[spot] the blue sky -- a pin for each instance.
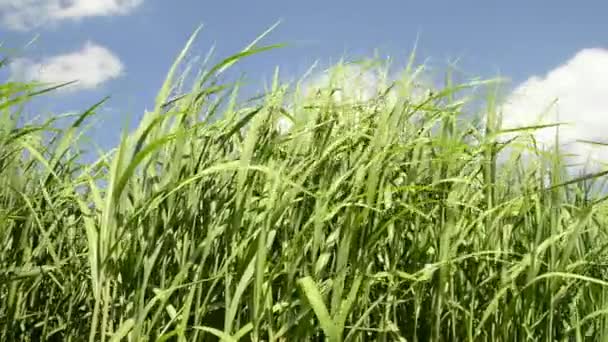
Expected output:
(137, 40)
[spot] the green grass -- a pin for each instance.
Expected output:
(386, 220)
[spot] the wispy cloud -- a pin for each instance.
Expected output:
(91, 66)
(578, 90)
(22, 15)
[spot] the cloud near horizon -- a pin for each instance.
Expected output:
(24, 15)
(357, 83)
(574, 93)
(91, 66)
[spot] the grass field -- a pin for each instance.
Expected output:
(389, 219)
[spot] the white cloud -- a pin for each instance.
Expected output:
(360, 83)
(580, 89)
(28, 14)
(349, 81)
(91, 66)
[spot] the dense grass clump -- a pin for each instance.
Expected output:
(384, 219)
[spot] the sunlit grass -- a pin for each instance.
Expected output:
(384, 219)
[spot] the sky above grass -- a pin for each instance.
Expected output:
(123, 48)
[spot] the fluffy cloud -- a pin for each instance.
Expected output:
(575, 93)
(349, 81)
(91, 66)
(354, 82)
(359, 83)
(28, 14)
